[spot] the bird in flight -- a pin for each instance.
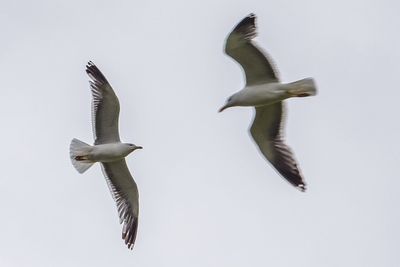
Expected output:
(265, 92)
(110, 152)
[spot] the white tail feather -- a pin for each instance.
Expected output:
(302, 88)
(78, 150)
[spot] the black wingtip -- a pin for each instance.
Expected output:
(130, 234)
(251, 16)
(247, 27)
(90, 67)
(302, 187)
(250, 20)
(94, 73)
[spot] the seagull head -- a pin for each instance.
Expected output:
(133, 147)
(230, 102)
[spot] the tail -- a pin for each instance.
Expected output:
(78, 152)
(303, 88)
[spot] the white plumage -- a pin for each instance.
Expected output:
(266, 93)
(110, 152)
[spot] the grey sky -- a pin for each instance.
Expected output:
(207, 197)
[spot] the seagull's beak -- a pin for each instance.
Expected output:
(139, 147)
(224, 107)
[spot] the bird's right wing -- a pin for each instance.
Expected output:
(105, 107)
(266, 131)
(239, 45)
(125, 193)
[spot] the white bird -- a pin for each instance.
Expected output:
(266, 93)
(110, 152)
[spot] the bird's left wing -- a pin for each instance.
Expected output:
(257, 67)
(266, 131)
(125, 193)
(105, 107)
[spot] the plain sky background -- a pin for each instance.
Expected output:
(207, 197)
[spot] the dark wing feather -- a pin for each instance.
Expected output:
(255, 63)
(105, 107)
(266, 131)
(125, 193)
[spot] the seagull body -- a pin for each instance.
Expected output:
(105, 153)
(110, 152)
(266, 93)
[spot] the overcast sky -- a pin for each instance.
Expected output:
(207, 197)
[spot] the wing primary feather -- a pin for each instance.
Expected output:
(247, 27)
(95, 74)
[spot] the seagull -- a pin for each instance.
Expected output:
(109, 152)
(265, 93)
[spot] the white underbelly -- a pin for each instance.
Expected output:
(261, 95)
(106, 153)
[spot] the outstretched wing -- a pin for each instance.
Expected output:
(125, 193)
(255, 63)
(105, 107)
(267, 133)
